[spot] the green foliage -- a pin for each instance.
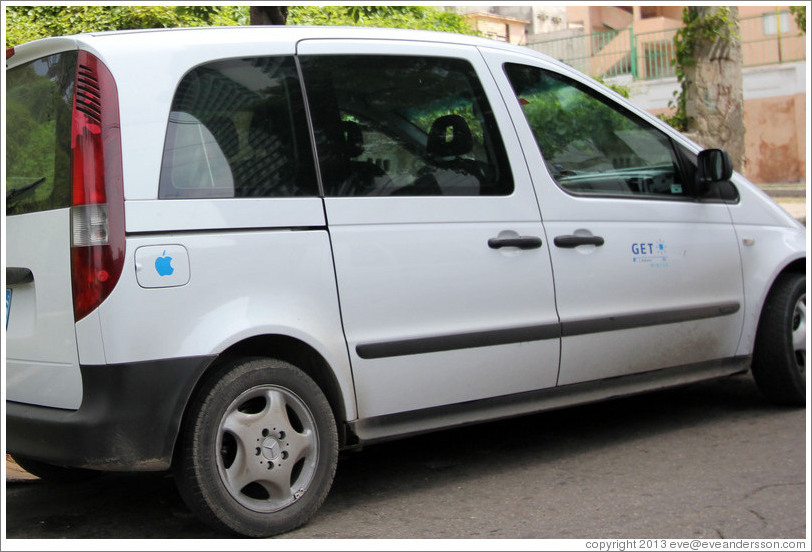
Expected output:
(699, 24)
(621, 89)
(403, 17)
(37, 145)
(799, 13)
(27, 23)
(702, 25)
(566, 120)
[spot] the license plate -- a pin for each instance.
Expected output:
(8, 304)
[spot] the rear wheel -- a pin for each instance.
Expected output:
(779, 357)
(259, 449)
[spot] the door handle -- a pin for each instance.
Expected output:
(568, 242)
(522, 242)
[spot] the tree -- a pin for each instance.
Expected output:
(799, 13)
(26, 23)
(709, 68)
(269, 15)
(403, 17)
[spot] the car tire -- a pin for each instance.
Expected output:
(779, 357)
(259, 449)
(55, 474)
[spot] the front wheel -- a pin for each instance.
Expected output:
(779, 357)
(259, 449)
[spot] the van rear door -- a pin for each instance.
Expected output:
(41, 354)
(442, 266)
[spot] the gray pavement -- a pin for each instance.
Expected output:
(710, 461)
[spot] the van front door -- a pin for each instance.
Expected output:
(647, 270)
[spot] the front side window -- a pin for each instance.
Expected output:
(592, 146)
(39, 96)
(403, 125)
(237, 128)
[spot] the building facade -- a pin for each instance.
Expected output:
(634, 45)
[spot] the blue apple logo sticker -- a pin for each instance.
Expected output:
(163, 265)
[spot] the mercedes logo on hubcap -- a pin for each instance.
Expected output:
(270, 448)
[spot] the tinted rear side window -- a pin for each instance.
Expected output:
(39, 97)
(237, 128)
(404, 125)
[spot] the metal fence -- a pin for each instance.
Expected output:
(766, 39)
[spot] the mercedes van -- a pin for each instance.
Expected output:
(233, 252)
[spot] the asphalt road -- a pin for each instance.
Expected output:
(712, 460)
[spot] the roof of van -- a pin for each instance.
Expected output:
(159, 40)
(296, 32)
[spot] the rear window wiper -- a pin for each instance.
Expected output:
(11, 194)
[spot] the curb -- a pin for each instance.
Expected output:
(784, 192)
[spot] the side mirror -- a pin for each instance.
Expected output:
(713, 165)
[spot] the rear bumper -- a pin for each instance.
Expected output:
(129, 418)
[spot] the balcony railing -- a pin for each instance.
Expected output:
(766, 39)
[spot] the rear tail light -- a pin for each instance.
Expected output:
(97, 206)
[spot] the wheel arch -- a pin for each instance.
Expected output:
(796, 266)
(778, 359)
(761, 272)
(288, 349)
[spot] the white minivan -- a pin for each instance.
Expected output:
(234, 252)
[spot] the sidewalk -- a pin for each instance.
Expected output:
(15, 474)
(789, 195)
(795, 207)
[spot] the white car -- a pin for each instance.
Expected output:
(234, 252)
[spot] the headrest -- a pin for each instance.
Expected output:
(449, 136)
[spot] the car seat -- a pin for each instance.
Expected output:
(449, 139)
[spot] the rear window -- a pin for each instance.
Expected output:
(39, 96)
(237, 128)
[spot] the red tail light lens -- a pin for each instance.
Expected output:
(97, 212)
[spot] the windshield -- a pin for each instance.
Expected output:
(39, 96)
